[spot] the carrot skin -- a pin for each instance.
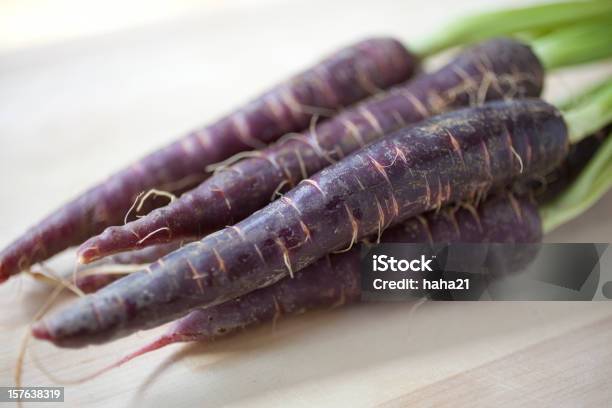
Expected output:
(330, 282)
(93, 283)
(450, 158)
(496, 69)
(144, 255)
(345, 77)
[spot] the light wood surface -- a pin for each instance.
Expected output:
(74, 110)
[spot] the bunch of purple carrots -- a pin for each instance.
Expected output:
(269, 206)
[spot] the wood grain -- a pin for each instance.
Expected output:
(570, 370)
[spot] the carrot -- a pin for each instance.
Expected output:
(91, 281)
(334, 281)
(342, 79)
(145, 255)
(452, 157)
(108, 270)
(494, 70)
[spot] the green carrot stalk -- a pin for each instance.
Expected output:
(589, 187)
(573, 101)
(590, 114)
(504, 22)
(575, 45)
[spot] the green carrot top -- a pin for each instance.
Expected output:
(534, 20)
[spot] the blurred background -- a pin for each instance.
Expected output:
(89, 86)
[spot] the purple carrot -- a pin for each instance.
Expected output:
(345, 77)
(498, 68)
(450, 158)
(144, 255)
(334, 281)
(109, 269)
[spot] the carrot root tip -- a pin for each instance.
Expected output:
(41, 332)
(88, 255)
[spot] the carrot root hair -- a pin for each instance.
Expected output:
(156, 344)
(23, 348)
(154, 193)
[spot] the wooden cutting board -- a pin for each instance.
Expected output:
(72, 112)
